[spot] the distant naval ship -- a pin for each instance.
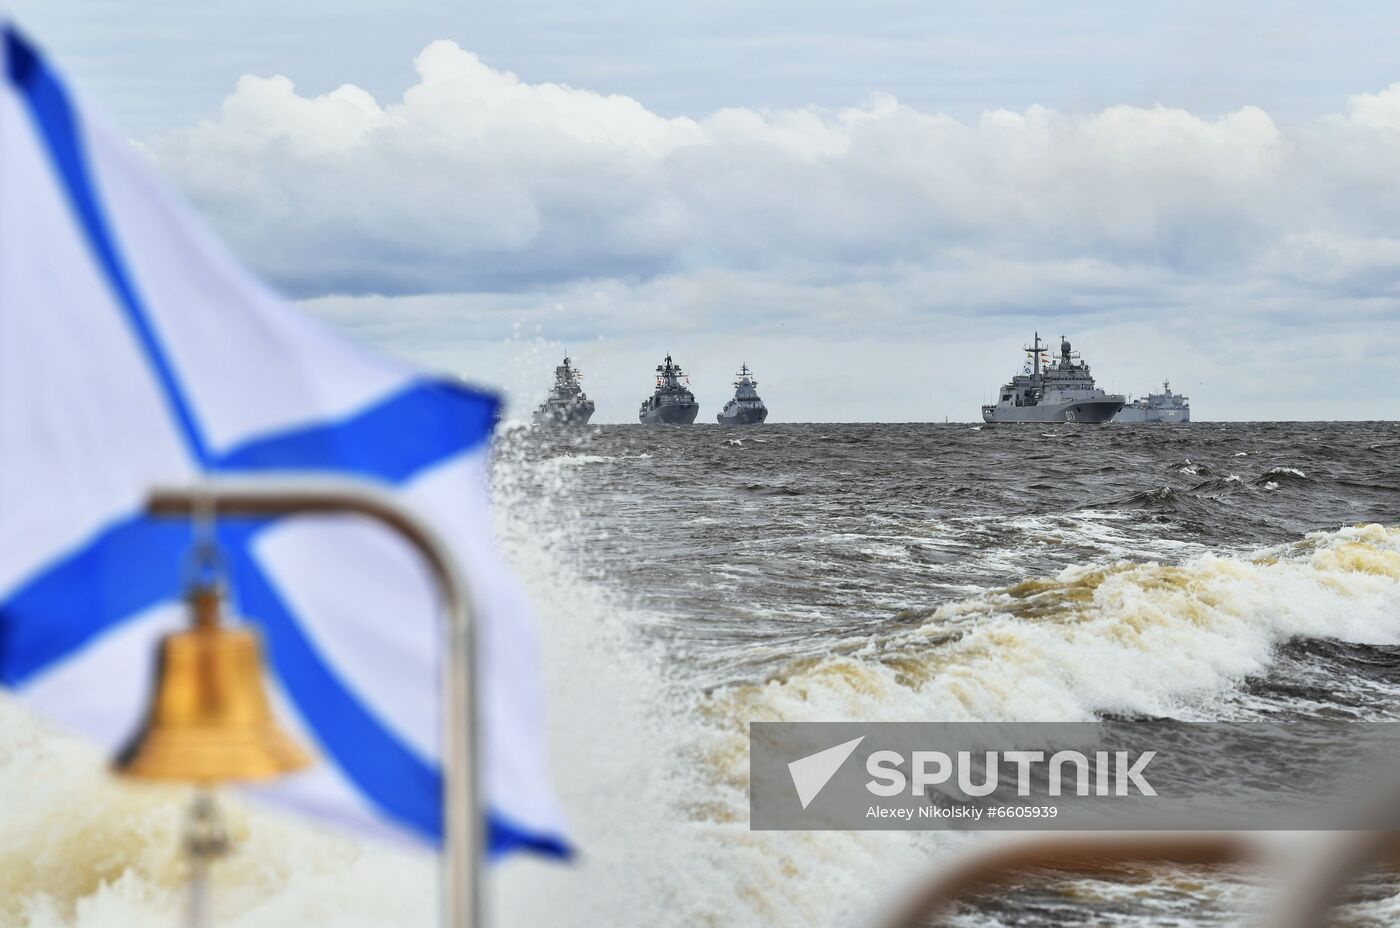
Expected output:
(671, 403)
(1062, 392)
(566, 404)
(1157, 407)
(745, 408)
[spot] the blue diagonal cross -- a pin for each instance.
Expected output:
(129, 566)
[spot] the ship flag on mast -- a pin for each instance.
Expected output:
(135, 351)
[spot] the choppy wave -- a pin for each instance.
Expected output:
(1122, 639)
(1280, 475)
(1148, 639)
(948, 573)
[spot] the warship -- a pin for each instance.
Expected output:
(671, 403)
(1157, 407)
(745, 408)
(1056, 392)
(566, 404)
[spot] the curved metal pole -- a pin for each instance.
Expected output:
(461, 791)
(1080, 854)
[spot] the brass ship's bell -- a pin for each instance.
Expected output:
(209, 720)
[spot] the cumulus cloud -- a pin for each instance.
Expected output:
(476, 179)
(591, 215)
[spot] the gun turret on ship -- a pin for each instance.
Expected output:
(566, 404)
(1157, 407)
(745, 408)
(671, 403)
(1054, 392)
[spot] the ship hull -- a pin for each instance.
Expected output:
(671, 414)
(1134, 416)
(567, 415)
(1089, 411)
(744, 415)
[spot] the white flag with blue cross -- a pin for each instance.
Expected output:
(135, 351)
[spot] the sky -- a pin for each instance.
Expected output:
(873, 205)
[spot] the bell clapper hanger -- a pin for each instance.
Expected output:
(209, 720)
(206, 840)
(206, 837)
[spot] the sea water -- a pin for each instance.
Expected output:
(688, 581)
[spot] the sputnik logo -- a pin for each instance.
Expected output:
(810, 774)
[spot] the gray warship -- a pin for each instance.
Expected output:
(1157, 407)
(671, 403)
(745, 408)
(1058, 392)
(566, 404)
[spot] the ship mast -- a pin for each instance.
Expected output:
(670, 374)
(1035, 376)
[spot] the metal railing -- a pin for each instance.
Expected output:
(1313, 874)
(462, 901)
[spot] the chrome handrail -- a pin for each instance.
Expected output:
(1312, 876)
(461, 792)
(1077, 853)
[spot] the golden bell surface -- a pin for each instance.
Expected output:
(209, 720)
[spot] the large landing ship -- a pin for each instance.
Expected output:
(1157, 407)
(746, 408)
(671, 403)
(1062, 392)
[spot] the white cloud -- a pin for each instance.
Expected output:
(589, 215)
(1376, 110)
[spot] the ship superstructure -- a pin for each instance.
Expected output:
(566, 404)
(671, 403)
(1166, 407)
(745, 408)
(1047, 391)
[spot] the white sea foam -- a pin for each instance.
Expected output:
(81, 849)
(576, 460)
(889, 551)
(1145, 638)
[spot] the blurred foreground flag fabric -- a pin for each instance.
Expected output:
(135, 351)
